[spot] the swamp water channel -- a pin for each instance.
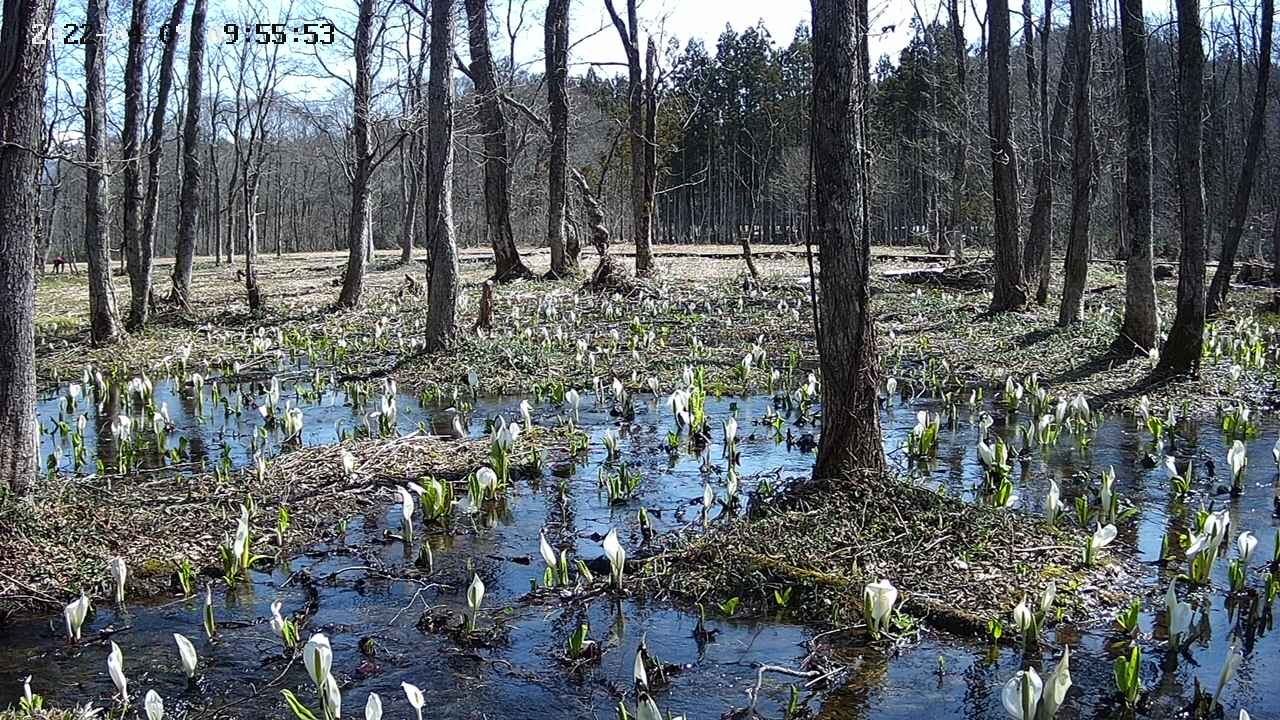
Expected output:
(525, 675)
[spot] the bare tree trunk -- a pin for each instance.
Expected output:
(629, 34)
(846, 336)
(362, 163)
(1141, 324)
(443, 285)
(956, 220)
(22, 82)
(497, 181)
(1008, 291)
(189, 196)
(650, 154)
(1244, 187)
(1039, 247)
(155, 142)
(563, 262)
(1076, 268)
(97, 221)
(136, 247)
(1182, 349)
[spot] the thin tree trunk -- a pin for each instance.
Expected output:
(846, 335)
(358, 234)
(188, 198)
(97, 220)
(1076, 267)
(1183, 347)
(22, 84)
(1008, 292)
(959, 162)
(137, 248)
(629, 34)
(442, 300)
(1244, 187)
(1141, 324)
(1039, 247)
(563, 261)
(155, 143)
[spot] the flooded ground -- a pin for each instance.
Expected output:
(364, 586)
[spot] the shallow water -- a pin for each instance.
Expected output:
(524, 677)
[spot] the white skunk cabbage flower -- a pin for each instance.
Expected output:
(186, 654)
(653, 385)
(475, 594)
(1246, 544)
(986, 453)
(75, 613)
(406, 509)
(154, 706)
(878, 599)
(318, 657)
(526, 412)
(730, 430)
(708, 496)
(115, 668)
(414, 695)
(1237, 459)
(891, 386)
(617, 556)
(119, 573)
(1047, 598)
(544, 548)
(332, 697)
(1053, 501)
(1179, 615)
(1229, 666)
(1021, 695)
(574, 400)
(373, 707)
(1102, 537)
(277, 620)
(348, 463)
(638, 671)
(1056, 685)
(1022, 617)
(610, 441)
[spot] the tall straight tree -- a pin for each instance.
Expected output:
(189, 195)
(155, 140)
(1182, 348)
(102, 296)
(137, 249)
(846, 335)
(960, 56)
(1141, 319)
(1248, 170)
(564, 259)
(497, 156)
(1076, 267)
(22, 82)
(1008, 291)
(1039, 247)
(442, 278)
(641, 194)
(361, 161)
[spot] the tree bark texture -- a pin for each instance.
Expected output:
(629, 34)
(189, 196)
(22, 84)
(846, 338)
(1008, 291)
(1039, 247)
(959, 162)
(1141, 326)
(564, 260)
(442, 294)
(155, 141)
(137, 249)
(361, 162)
(1182, 349)
(1076, 266)
(102, 297)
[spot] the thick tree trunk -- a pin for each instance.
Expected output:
(1182, 349)
(252, 291)
(563, 262)
(960, 160)
(493, 123)
(846, 337)
(1039, 248)
(189, 196)
(1141, 324)
(136, 247)
(1076, 267)
(629, 34)
(1008, 291)
(362, 162)
(97, 220)
(22, 82)
(442, 298)
(1244, 187)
